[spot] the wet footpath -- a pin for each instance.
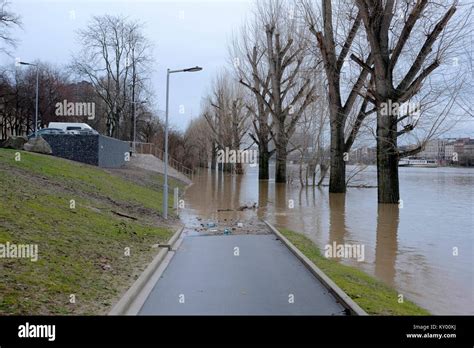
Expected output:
(237, 274)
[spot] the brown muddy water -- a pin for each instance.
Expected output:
(408, 247)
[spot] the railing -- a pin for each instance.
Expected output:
(152, 149)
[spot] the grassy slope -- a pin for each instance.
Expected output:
(369, 293)
(81, 250)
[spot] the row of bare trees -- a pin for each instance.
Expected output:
(297, 69)
(349, 60)
(272, 60)
(111, 70)
(17, 97)
(227, 117)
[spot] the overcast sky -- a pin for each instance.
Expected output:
(184, 34)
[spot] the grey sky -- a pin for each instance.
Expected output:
(184, 34)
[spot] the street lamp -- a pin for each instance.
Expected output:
(37, 79)
(165, 186)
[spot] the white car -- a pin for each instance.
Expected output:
(73, 128)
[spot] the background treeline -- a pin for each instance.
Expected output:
(307, 80)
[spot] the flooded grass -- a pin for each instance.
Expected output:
(372, 295)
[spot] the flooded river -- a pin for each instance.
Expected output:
(408, 247)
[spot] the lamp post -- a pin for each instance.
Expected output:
(165, 186)
(37, 85)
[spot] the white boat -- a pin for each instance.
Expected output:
(417, 162)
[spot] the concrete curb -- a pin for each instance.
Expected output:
(340, 295)
(124, 304)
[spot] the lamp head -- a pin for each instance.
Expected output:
(194, 69)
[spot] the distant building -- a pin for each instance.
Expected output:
(363, 155)
(467, 157)
(434, 149)
(449, 151)
(460, 151)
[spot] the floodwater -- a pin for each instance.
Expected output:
(424, 248)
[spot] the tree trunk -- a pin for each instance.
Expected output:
(213, 156)
(280, 168)
(323, 171)
(263, 162)
(263, 166)
(239, 168)
(387, 160)
(301, 172)
(337, 179)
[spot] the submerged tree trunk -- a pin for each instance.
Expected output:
(213, 156)
(228, 167)
(239, 169)
(337, 178)
(387, 160)
(263, 163)
(323, 171)
(280, 168)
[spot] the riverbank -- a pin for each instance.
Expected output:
(370, 294)
(95, 231)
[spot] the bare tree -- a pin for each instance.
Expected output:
(197, 143)
(335, 47)
(288, 89)
(114, 53)
(8, 20)
(227, 116)
(216, 112)
(389, 25)
(248, 60)
(310, 138)
(150, 128)
(291, 89)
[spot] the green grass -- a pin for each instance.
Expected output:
(372, 295)
(82, 250)
(88, 178)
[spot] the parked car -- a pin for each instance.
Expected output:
(73, 128)
(46, 131)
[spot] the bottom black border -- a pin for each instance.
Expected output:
(289, 330)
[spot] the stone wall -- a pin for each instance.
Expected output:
(96, 150)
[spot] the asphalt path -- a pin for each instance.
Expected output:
(238, 275)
